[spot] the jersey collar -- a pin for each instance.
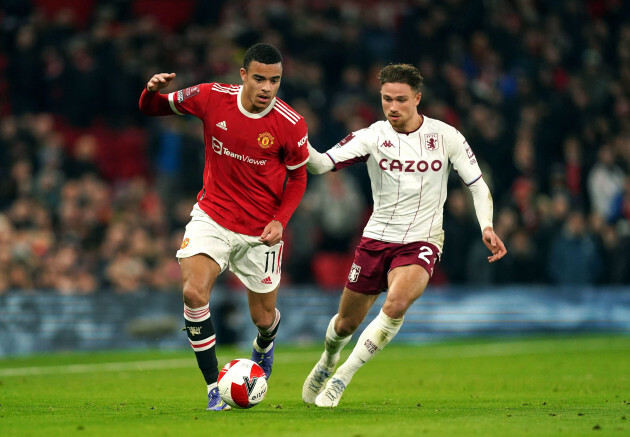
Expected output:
(413, 131)
(246, 113)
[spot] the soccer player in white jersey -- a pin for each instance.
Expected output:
(252, 141)
(408, 159)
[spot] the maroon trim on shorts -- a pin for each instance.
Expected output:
(374, 259)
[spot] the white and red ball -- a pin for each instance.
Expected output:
(242, 383)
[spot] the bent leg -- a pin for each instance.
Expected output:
(353, 308)
(198, 275)
(266, 317)
(406, 284)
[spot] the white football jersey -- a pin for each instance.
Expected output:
(409, 175)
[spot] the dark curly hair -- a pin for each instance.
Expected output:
(263, 53)
(401, 73)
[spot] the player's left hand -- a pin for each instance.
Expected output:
(494, 244)
(272, 234)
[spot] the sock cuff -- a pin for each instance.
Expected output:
(275, 323)
(388, 321)
(330, 331)
(197, 314)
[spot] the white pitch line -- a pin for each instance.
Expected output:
(536, 347)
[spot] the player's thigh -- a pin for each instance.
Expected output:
(199, 272)
(406, 284)
(203, 236)
(353, 307)
(257, 265)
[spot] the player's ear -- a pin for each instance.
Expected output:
(418, 98)
(243, 75)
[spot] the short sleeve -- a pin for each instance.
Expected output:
(296, 149)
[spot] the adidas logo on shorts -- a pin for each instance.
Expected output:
(267, 281)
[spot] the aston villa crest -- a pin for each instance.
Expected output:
(353, 276)
(431, 141)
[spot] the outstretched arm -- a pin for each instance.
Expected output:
(152, 102)
(318, 163)
(159, 81)
(482, 200)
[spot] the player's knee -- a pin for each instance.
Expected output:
(264, 319)
(396, 308)
(195, 296)
(345, 326)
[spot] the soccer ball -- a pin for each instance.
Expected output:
(242, 383)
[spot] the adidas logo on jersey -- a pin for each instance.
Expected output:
(222, 125)
(267, 280)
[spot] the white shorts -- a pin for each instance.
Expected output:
(257, 265)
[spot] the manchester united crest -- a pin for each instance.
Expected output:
(184, 243)
(265, 140)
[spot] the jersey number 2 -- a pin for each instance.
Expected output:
(425, 252)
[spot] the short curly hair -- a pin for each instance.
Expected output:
(401, 73)
(263, 53)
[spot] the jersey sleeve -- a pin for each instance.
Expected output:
(462, 157)
(296, 149)
(190, 101)
(352, 149)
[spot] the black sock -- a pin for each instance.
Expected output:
(202, 339)
(265, 336)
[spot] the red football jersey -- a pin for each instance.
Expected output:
(247, 155)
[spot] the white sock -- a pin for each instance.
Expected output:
(211, 386)
(373, 339)
(333, 345)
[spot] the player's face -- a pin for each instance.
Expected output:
(400, 105)
(260, 85)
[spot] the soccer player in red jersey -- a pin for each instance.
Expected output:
(252, 141)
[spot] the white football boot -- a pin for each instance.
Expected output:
(315, 381)
(331, 395)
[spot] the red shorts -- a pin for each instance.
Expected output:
(373, 260)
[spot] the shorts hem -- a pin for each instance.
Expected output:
(370, 293)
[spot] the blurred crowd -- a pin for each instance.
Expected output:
(94, 196)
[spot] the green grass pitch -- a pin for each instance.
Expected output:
(543, 386)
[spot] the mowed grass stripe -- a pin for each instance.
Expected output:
(437, 351)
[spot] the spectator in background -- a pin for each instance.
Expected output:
(460, 231)
(616, 253)
(605, 182)
(336, 203)
(533, 76)
(574, 257)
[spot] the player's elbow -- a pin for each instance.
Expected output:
(316, 169)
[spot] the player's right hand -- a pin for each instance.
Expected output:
(494, 244)
(159, 81)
